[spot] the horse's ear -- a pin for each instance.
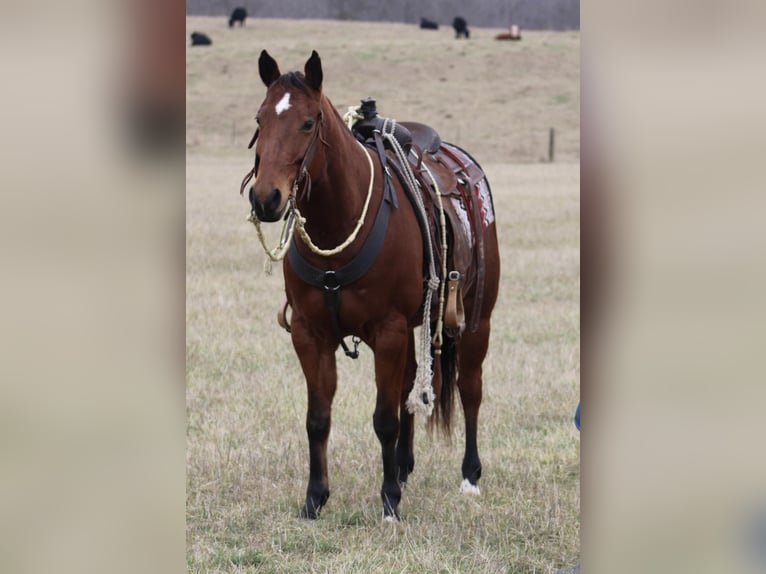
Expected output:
(313, 72)
(268, 68)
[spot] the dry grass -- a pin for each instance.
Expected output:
(247, 451)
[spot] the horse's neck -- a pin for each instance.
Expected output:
(339, 191)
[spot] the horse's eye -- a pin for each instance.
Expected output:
(308, 125)
(257, 121)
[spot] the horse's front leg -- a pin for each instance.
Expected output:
(317, 358)
(390, 360)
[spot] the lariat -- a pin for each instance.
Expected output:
(421, 398)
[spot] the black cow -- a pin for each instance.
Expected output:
(461, 27)
(426, 24)
(200, 39)
(239, 14)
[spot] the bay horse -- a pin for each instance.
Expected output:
(307, 161)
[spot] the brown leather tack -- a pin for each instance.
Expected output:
(454, 316)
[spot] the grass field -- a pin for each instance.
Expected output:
(247, 460)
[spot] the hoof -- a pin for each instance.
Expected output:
(310, 511)
(307, 514)
(467, 488)
(314, 503)
(391, 517)
(390, 512)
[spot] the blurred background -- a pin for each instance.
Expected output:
(529, 14)
(92, 290)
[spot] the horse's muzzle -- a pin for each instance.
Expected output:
(268, 210)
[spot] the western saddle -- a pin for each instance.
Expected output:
(457, 177)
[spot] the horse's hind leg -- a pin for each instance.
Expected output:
(472, 350)
(405, 457)
(391, 343)
(317, 360)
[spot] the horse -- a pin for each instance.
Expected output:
(426, 24)
(309, 166)
(239, 14)
(200, 39)
(461, 27)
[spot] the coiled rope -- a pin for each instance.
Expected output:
(421, 398)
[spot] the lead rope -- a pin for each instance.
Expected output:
(421, 398)
(285, 237)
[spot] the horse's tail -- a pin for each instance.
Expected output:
(445, 376)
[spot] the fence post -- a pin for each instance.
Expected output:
(551, 138)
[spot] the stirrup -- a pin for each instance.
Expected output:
(454, 315)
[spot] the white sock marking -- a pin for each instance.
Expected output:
(283, 104)
(467, 488)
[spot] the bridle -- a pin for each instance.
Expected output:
(302, 177)
(293, 220)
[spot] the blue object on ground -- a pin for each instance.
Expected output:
(577, 416)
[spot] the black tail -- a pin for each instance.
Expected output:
(445, 376)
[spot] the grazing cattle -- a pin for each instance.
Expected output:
(427, 24)
(461, 27)
(200, 39)
(513, 34)
(239, 14)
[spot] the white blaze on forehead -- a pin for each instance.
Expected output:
(283, 104)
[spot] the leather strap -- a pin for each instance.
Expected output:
(247, 178)
(454, 316)
(255, 137)
(303, 172)
(388, 192)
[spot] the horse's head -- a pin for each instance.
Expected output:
(288, 130)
